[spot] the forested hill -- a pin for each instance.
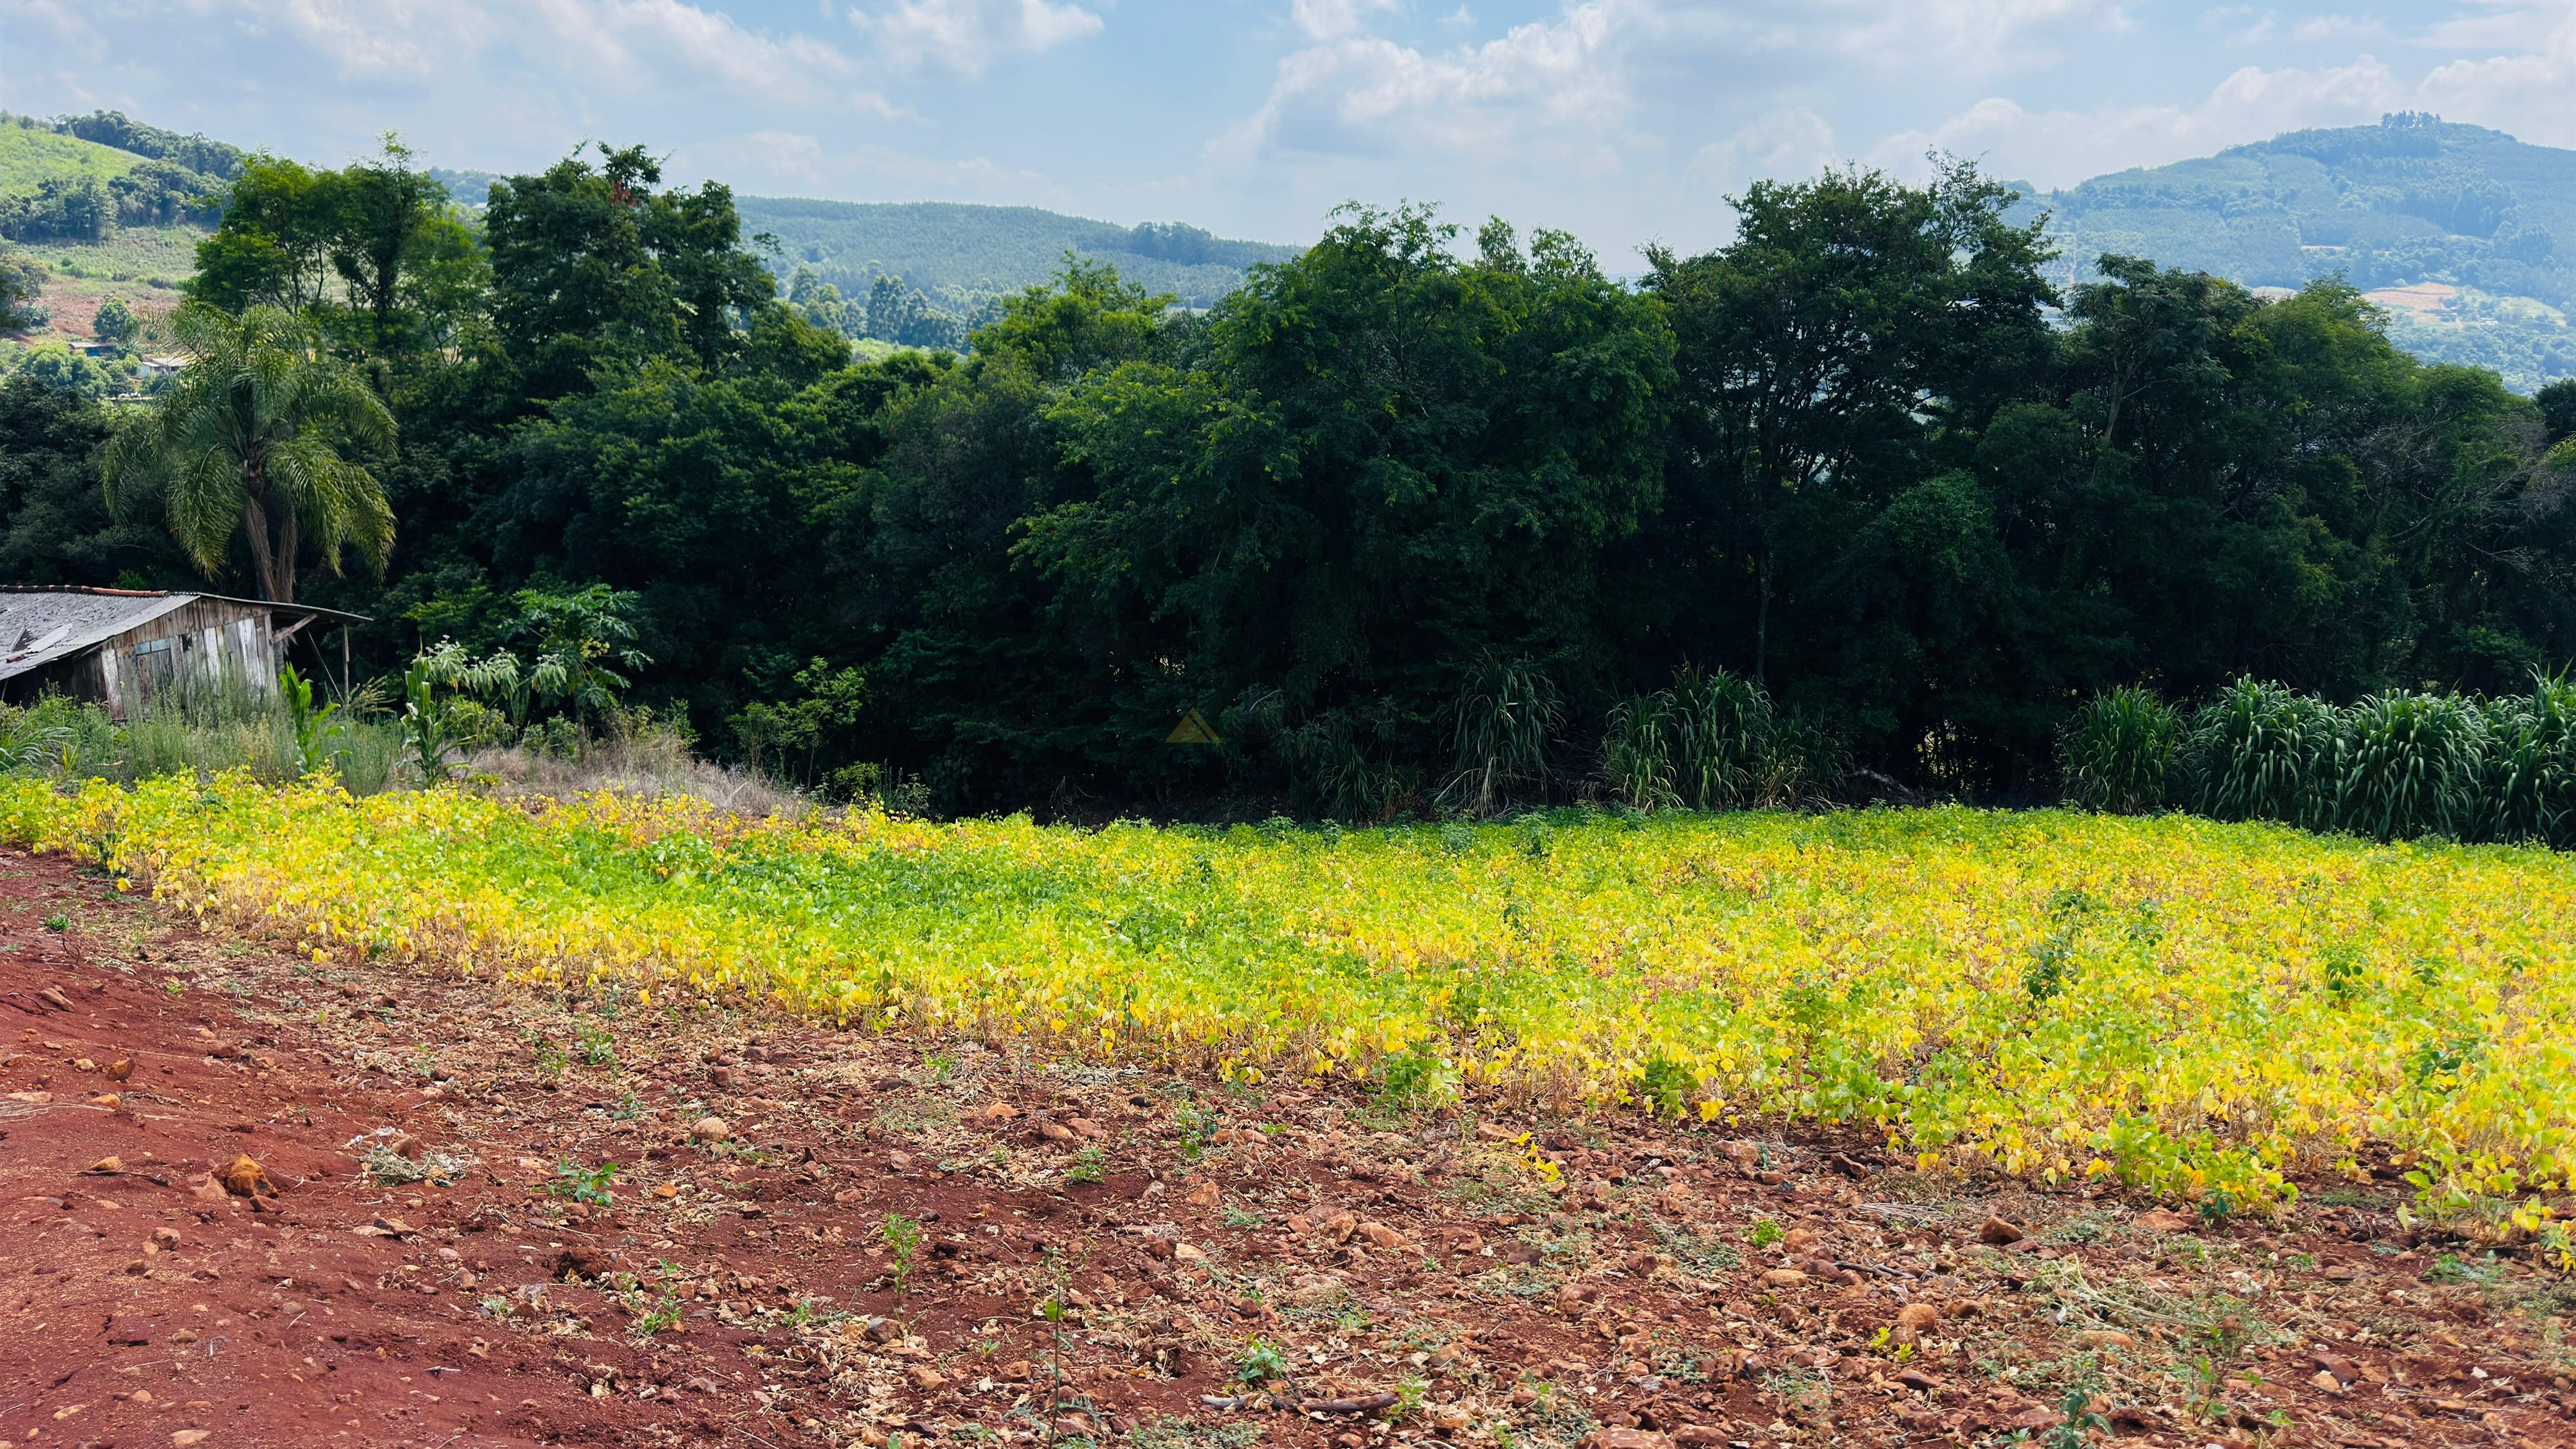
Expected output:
(2466, 235)
(77, 178)
(960, 252)
(961, 255)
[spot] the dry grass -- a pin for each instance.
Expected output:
(651, 764)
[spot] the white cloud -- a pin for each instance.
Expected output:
(1790, 141)
(1333, 19)
(2059, 147)
(1366, 94)
(656, 46)
(1976, 36)
(965, 37)
(2532, 94)
(651, 44)
(1579, 78)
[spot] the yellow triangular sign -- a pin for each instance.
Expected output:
(1192, 730)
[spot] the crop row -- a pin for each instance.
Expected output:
(2194, 1008)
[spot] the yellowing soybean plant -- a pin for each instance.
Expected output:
(2191, 1007)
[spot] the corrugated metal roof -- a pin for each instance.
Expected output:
(38, 628)
(39, 625)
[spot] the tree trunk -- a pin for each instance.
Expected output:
(255, 526)
(272, 561)
(288, 536)
(1762, 623)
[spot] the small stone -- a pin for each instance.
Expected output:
(1996, 1232)
(2161, 1221)
(119, 1070)
(2104, 1338)
(166, 1239)
(1202, 1193)
(1917, 1316)
(925, 1378)
(1380, 1235)
(1784, 1278)
(1628, 1439)
(667, 1191)
(242, 1177)
(710, 1129)
(108, 1166)
(184, 1438)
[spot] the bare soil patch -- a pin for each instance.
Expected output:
(406, 1255)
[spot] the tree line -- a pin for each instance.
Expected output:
(1415, 521)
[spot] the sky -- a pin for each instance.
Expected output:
(1625, 122)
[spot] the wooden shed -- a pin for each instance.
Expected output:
(125, 649)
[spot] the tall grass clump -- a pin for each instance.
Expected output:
(2259, 751)
(203, 732)
(2398, 765)
(2118, 751)
(1711, 741)
(1505, 714)
(2527, 784)
(2409, 764)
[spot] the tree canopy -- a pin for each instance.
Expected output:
(1413, 494)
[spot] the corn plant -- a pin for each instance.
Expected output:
(27, 740)
(317, 731)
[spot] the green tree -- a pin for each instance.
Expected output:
(1851, 316)
(592, 265)
(54, 525)
(22, 286)
(581, 639)
(1380, 465)
(370, 250)
(250, 442)
(274, 246)
(114, 322)
(55, 365)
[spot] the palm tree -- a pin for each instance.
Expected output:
(249, 438)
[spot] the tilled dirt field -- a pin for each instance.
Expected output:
(261, 1201)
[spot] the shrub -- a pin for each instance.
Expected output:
(2118, 751)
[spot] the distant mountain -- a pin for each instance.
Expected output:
(2467, 235)
(961, 255)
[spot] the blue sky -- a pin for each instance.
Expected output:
(1624, 121)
